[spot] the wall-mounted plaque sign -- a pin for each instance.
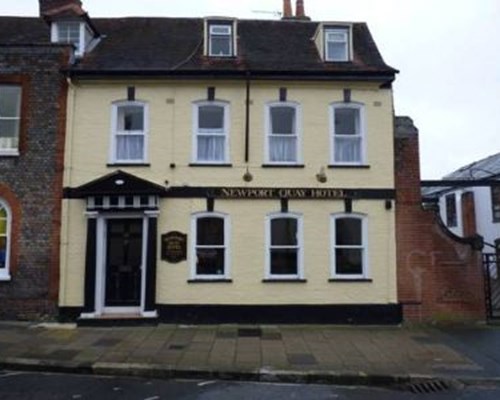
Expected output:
(174, 247)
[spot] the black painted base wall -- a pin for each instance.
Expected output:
(69, 314)
(383, 314)
(364, 314)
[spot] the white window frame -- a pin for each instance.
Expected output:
(80, 48)
(5, 272)
(338, 30)
(362, 134)
(13, 151)
(300, 247)
(196, 133)
(211, 34)
(194, 245)
(334, 246)
(269, 134)
(113, 159)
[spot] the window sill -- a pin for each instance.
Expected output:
(278, 280)
(347, 166)
(13, 153)
(119, 164)
(191, 281)
(337, 61)
(350, 280)
(211, 165)
(5, 278)
(283, 166)
(222, 57)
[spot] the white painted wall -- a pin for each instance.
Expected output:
(484, 215)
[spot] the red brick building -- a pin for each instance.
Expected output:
(440, 276)
(32, 125)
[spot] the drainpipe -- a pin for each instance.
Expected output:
(247, 121)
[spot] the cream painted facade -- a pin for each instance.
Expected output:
(170, 144)
(171, 125)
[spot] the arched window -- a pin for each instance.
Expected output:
(349, 246)
(129, 132)
(210, 246)
(5, 237)
(348, 134)
(210, 132)
(284, 259)
(283, 133)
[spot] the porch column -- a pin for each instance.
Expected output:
(151, 256)
(90, 264)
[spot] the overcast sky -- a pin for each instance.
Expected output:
(448, 52)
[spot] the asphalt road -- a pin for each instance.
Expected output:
(40, 386)
(480, 344)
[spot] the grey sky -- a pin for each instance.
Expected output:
(448, 52)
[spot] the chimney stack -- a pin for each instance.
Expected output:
(50, 7)
(287, 9)
(299, 10)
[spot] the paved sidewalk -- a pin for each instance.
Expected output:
(329, 354)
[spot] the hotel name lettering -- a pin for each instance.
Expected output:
(277, 193)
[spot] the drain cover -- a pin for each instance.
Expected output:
(429, 386)
(249, 332)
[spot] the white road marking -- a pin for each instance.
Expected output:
(153, 398)
(9, 374)
(206, 383)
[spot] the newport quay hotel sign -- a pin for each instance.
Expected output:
(278, 193)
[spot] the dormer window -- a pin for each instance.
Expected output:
(73, 32)
(68, 32)
(337, 44)
(220, 39)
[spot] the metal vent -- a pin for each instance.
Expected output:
(430, 386)
(249, 332)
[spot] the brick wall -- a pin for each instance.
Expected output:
(439, 278)
(31, 183)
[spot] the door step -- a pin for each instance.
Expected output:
(108, 320)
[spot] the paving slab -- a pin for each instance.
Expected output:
(270, 352)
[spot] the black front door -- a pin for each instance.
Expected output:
(123, 263)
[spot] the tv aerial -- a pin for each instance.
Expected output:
(277, 14)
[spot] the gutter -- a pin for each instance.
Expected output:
(460, 183)
(385, 77)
